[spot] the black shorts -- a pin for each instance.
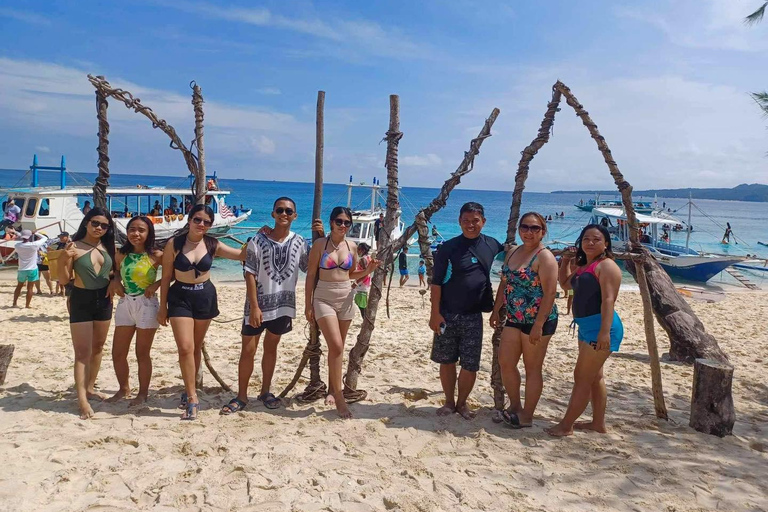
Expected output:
(68, 289)
(548, 329)
(279, 326)
(196, 301)
(89, 305)
(42, 268)
(462, 341)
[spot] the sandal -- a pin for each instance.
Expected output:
(512, 420)
(191, 413)
(270, 401)
(234, 405)
(184, 401)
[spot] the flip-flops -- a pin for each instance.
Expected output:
(183, 401)
(191, 413)
(234, 405)
(270, 401)
(512, 420)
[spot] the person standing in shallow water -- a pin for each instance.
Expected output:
(460, 292)
(596, 283)
(526, 303)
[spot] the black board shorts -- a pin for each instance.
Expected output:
(198, 301)
(278, 326)
(89, 305)
(461, 342)
(548, 329)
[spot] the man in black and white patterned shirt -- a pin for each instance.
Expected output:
(272, 265)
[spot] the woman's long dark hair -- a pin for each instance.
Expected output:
(107, 239)
(149, 243)
(181, 235)
(581, 256)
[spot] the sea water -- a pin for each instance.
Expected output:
(748, 220)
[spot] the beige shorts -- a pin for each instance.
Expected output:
(334, 298)
(137, 311)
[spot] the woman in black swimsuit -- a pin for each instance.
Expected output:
(191, 302)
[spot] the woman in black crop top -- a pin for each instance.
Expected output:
(191, 302)
(595, 284)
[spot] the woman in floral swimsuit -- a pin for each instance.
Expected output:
(525, 305)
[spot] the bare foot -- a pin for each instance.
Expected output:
(465, 412)
(589, 425)
(96, 395)
(446, 410)
(86, 412)
(525, 419)
(140, 399)
(330, 400)
(342, 409)
(559, 431)
(118, 396)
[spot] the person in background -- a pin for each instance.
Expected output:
(362, 285)
(27, 273)
(422, 274)
(10, 233)
(90, 258)
(42, 266)
(459, 298)
(402, 263)
(595, 283)
(525, 303)
(86, 207)
(727, 234)
(60, 245)
(377, 227)
(11, 214)
(136, 284)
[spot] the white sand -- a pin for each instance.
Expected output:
(397, 454)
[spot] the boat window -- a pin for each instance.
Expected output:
(354, 232)
(45, 207)
(18, 201)
(31, 205)
(364, 231)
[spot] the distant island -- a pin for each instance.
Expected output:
(755, 192)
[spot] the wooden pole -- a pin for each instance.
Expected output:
(383, 253)
(6, 354)
(102, 181)
(313, 351)
(386, 252)
(200, 175)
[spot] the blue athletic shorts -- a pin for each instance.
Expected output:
(589, 328)
(28, 275)
(403, 271)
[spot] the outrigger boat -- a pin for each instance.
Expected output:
(677, 260)
(57, 209)
(640, 206)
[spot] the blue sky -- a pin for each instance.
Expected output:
(666, 81)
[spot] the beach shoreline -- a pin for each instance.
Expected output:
(396, 454)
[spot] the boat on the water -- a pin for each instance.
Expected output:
(677, 260)
(640, 206)
(53, 210)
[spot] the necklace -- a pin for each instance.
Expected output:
(335, 247)
(194, 243)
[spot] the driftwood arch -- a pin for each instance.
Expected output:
(195, 159)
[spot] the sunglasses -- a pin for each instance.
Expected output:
(200, 220)
(340, 222)
(97, 224)
(288, 211)
(525, 228)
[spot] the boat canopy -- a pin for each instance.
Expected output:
(618, 213)
(111, 191)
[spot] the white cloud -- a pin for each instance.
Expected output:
(43, 149)
(263, 144)
(715, 24)
(428, 160)
(353, 36)
(24, 16)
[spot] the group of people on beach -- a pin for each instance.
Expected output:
(338, 274)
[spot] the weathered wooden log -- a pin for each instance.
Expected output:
(102, 181)
(688, 338)
(712, 401)
(6, 354)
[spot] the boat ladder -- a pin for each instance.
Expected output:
(741, 278)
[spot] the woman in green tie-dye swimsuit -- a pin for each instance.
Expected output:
(137, 308)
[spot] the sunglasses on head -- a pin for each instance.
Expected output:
(524, 228)
(97, 224)
(341, 222)
(200, 220)
(288, 211)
